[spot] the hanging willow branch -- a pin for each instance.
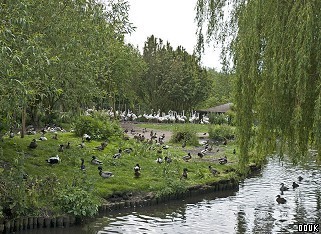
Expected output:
(276, 49)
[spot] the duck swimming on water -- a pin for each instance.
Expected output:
(280, 199)
(283, 187)
(295, 185)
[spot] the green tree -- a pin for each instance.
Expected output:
(276, 50)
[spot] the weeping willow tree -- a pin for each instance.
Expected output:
(275, 49)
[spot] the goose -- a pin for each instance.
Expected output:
(53, 160)
(223, 160)
(137, 170)
(187, 157)
(283, 187)
(295, 185)
(280, 199)
(61, 148)
(118, 155)
(82, 166)
(213, 171)
(105, 174)
(184, 175)
(159, 160)
(96, 161)
(86, 137)
(33, 144)
(167, 159)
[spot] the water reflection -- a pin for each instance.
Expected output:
(252, 209)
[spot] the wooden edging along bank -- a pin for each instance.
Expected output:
(24, 223)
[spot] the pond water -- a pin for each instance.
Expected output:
(251, 209)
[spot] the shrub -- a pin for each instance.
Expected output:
(218, 119)
(97, 126)
(219, 132)
(78, 201)
(185, 133)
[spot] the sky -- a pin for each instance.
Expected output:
(170, 20)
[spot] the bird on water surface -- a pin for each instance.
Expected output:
(280, 199)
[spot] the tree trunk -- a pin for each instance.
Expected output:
(23, 121)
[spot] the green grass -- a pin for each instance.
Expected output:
(154, 177)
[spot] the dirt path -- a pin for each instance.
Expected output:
(212, 156)
(139, 130)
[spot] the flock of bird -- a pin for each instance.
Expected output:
(283, 188)
(169, 117)
(156, 143)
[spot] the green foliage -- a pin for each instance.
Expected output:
(98, 127)
(184, 133)
(174, 79)
(78, 201)
(283, 98)
(218, 119)
(219, 132)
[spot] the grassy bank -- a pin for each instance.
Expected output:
(38, 188)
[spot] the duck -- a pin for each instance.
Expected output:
(43, 138)
(53, 160)
(294, 185)
(225, 141)
(33, 144)
(223, 160)
(165, 147)
(128, 150)
(280, 199)
(82, 166)
(137, 170)
(82, 144)
(234, 151)
(11, 134)
(118, 155)
(86, 137)
(101, 146)
(200, 154)
(96, 161)
(187, 157)
(184, 174)
(168, 159)
(283, 187)
(68, 145)
(300, 178)
(105, 174)
(61, 148)
(159, 160)
(213, 171)
(184, 144)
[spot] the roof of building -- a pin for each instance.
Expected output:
(218, 109)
